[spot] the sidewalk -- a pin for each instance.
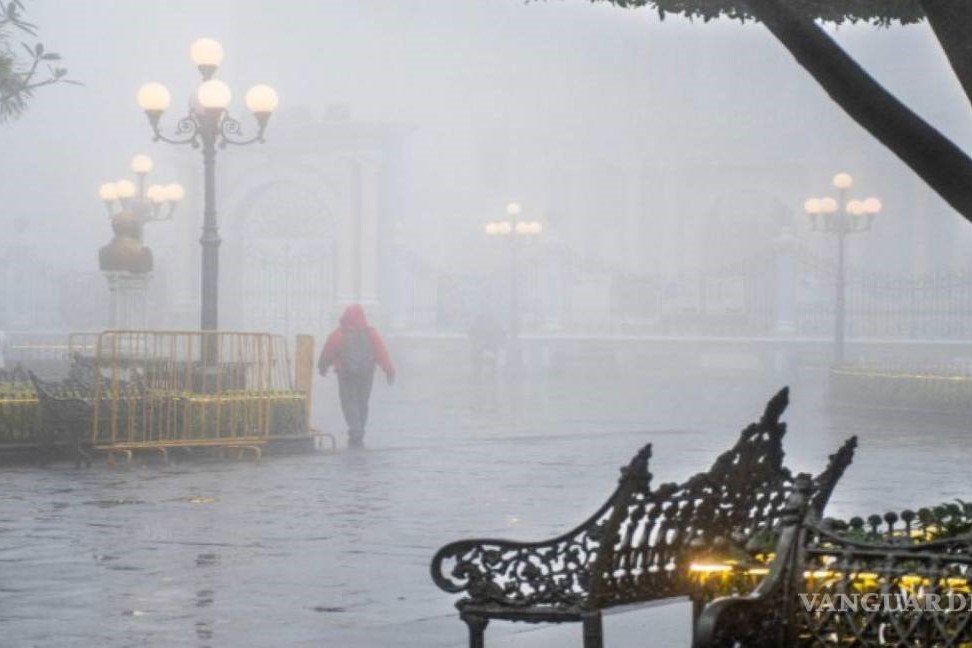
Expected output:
(334, 550)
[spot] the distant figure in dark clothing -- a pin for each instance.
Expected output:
(486, 339)
(354, 349)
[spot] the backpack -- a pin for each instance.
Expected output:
(357, 354)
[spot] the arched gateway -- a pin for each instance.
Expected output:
(288, 263)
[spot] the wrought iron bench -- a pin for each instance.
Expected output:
(67, 409)
(825, 588)
(19, 418)
(638, 546)
(948, 519)
(65, 414)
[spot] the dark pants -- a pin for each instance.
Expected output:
(355, 390)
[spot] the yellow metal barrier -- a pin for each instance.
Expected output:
(157, 389)
(19, 409)
(82, 343)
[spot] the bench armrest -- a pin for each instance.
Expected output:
(551, 572)
(749, 621)
(518, 574)
(760, 617)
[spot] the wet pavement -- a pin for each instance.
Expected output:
(333, 549)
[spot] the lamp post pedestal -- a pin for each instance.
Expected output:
(128, 301)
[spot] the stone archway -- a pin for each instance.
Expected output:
(288, 270)
(740, 225)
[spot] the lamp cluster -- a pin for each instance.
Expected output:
(830, 215)
(507, 227)
(513, 225)
(147, 203)
(210, 102)
(206, 126)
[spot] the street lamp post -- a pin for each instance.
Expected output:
(841, 218)
(515, 229)
(126, 261)
(149, 204)
(206, 126)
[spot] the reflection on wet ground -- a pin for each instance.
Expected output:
(333, 550)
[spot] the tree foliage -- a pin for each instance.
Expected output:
(795, 24)
(25, 68)
(877, 12)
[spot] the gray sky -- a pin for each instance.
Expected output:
(509, 101)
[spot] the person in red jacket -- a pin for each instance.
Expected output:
(354, 349)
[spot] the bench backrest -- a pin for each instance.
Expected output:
(638, 544)
(825, 588)
(901, 592)
(61, 399)
(14, 378)
(658, 534)
(652, 532)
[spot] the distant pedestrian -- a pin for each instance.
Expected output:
(354, 349)
(486, 339)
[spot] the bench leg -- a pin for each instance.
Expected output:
(698, 604)
(111, 456)
(477, 629)
(82, 456)
(593, 630)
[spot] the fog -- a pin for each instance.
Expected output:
(665, 160)
(627, 136)
(674, 284)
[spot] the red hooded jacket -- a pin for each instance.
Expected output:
(353, 318)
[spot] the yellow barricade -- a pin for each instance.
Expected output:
(193, 388)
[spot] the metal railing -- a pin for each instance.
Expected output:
(19, 411)
(156, 389)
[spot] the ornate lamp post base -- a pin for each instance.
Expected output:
(129, 300)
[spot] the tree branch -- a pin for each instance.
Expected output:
(28, 88)
(951, 21)
(935, 158)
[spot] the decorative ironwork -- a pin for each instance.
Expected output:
(947, 520)
(201, 125)
(746, 297)
(66, 413)
(814, 562)
(639, 544)
(759, 618)
(19, 415)
(554, 572)
(288, 286)
(186, 126)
